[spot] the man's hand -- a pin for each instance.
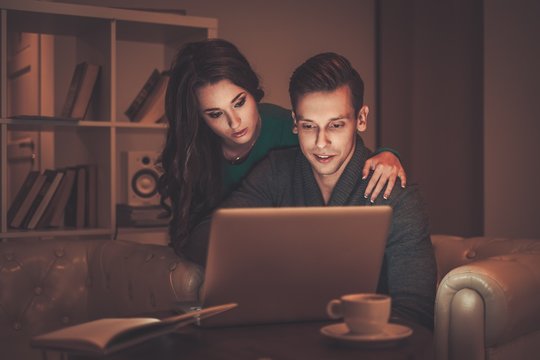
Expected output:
(386, 168)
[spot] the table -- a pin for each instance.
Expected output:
(270, 342)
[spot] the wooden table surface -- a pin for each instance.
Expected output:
(271, 342)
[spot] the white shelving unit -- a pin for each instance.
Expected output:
(128, 45)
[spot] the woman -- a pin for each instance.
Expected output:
(218, 130)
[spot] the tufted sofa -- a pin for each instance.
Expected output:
(488, 299)
(487, 306)
(49, 284)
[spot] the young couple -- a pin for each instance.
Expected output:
(218, 131)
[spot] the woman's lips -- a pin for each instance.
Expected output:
(240, 133)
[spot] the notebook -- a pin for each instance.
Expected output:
(286, 264)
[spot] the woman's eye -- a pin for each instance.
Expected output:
(307, 126)
(214, 115)
(240, 103)
(336, 125)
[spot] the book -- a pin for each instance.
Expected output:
(23, 210)
(105, 336)
(91, 196)
(21, 195)
(54, 214)
(73, 89)
(86, 90)
(76, 205)
(80, 90)
(153, 108)
(143, 94)
(46, 199)
(49, 176)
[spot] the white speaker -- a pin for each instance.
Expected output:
(142, 178)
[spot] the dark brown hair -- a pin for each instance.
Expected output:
(191, 158)
(326, 72)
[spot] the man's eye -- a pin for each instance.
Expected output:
(240, 103)
(336, 125)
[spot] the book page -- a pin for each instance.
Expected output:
(91, 336)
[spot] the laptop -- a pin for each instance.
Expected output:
(286, 264)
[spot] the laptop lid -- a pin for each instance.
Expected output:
(286, 264)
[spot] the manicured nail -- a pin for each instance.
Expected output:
(372, 201)
(364, 177)
(385, 197)
(365, 196)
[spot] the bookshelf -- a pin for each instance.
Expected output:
(128, 45)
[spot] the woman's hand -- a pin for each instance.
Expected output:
(386, 168)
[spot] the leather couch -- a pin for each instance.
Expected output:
(488, 299)
(50, 284)
(487, 304)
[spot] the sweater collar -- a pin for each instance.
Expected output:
(349, 188)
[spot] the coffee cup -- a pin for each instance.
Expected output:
(365, 313)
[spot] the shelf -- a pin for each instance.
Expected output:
(41, 43)
(19, 234)
(36, 124)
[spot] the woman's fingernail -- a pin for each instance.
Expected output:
(365, 196)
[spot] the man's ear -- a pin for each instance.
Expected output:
(295, 126)
(361, 120)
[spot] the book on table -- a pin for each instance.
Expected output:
(105, 336)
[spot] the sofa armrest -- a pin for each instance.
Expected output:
(486, 303)
(131, 279)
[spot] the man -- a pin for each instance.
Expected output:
(327, 100)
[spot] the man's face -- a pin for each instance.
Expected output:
(326, 124)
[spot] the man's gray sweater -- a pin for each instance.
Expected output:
(285, 178)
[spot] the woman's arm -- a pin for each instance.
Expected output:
(386, 169)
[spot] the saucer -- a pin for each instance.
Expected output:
(391, 332)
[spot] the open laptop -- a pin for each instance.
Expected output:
(286, 264)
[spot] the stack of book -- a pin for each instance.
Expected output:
(56, 198)
(149, 104)
(141, 216)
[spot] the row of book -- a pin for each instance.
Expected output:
(56, 199)
(149, 104)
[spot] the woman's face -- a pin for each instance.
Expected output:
(230, 111)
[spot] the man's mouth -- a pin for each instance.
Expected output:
(323, 158)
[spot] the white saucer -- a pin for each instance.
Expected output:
(391, 332)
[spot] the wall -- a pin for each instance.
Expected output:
(277, 36)
(512, 124)
(431, 104)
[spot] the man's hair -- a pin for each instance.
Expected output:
(326, 72)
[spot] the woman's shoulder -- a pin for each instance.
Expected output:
(274, 112)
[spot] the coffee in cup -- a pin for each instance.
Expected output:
(365, 313)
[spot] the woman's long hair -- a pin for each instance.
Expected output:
(191, 159)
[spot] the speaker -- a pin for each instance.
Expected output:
(142, 178)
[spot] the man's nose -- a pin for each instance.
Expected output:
(322, 139)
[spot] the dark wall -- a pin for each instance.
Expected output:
(430, 57)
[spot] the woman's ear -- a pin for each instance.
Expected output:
(295, 127)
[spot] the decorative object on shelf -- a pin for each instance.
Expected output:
(142, 177)
(141, 216)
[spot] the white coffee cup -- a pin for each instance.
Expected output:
(365, 313)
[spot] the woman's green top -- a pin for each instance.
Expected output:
(276, 132)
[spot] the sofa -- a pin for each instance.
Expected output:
(488, 298)
(487, 304)
(50, 284)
